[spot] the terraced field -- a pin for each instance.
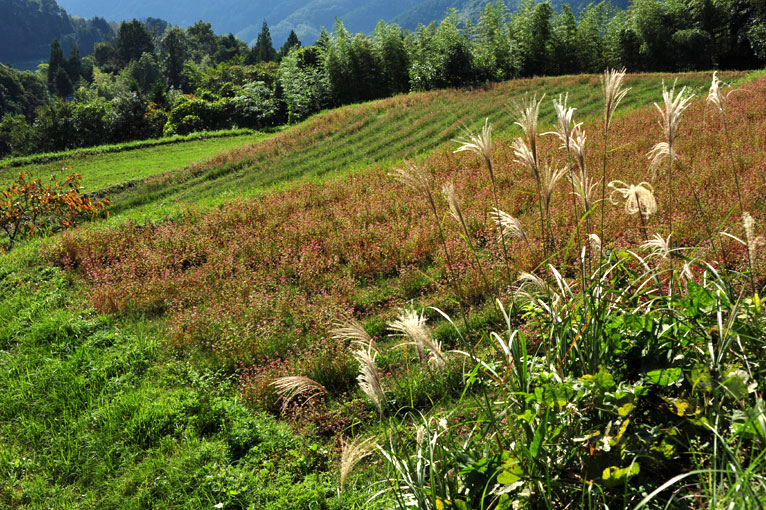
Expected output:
(137, 353)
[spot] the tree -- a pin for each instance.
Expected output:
(56, 62)
(202, 40)
(229, 48)
(74, 64)
(388, 43)
(133, 40)
(292, 42)
(263, 51)
(105, 57)
(491, 51)
(174, 53)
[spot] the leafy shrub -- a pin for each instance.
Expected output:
(29, 207)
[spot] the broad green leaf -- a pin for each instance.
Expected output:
(614, 476)
(664, 376)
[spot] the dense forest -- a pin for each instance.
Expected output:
(155, 79)
(28, 26)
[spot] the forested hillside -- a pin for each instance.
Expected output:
(305, 17)
(155, 79)
(28, 26)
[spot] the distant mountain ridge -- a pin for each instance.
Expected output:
(306, 17)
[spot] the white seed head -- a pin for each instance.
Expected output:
(413, 327)
(577, 144)
(415, 177)
(584, 187)
(524, 155)
(549, 177)
(658, 246)
(369, 378)
(352, 453)
(715, 96)
(660, 153)
(638, 197)
(611, 82)
(290, 387)
(753, 241)
(595, 243)
(510, 227)
(564, 127)
(671, 111)
(350, 330)
(478, 143)
(454, 206)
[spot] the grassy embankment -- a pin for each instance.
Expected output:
(103, 407)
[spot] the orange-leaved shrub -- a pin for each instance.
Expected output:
(29, 207)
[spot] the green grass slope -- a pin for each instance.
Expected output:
(136, 356)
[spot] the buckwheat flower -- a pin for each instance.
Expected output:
(638, 197)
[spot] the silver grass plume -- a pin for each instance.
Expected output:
(454, 206)
(584, 187)
(614, 93)
(564, 128)
(524, 155)
(715, 97)
(413, 326)
(549, 177)
(752, 240)
(351, 330)
(527, 113)
(479, 143)
(670, 119)
(369, 378)
(290, 387)
(352, 453)
(638, 197)
(510, 227)
(415, 177)
(577, 144)
(658, 246)
(595, 243)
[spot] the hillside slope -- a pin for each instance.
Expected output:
(137, 354)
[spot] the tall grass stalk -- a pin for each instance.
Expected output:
(481, 144)
(421, 181)
(457, 213)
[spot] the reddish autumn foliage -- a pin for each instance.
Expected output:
(28, 207)
(267, 276)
